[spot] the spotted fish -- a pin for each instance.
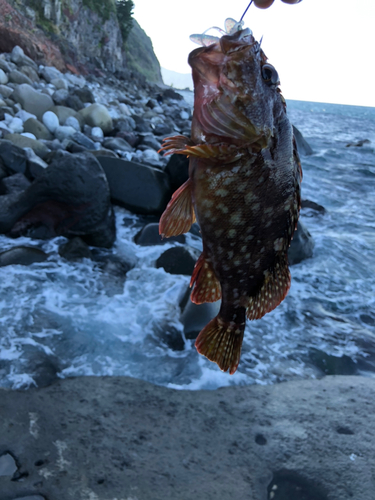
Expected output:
(243, 189)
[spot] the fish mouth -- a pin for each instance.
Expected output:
(241, 40)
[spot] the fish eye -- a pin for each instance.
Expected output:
(270, 75)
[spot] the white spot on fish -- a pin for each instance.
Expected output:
(222, 208)
(256, 264)
(222, 192)
(232, 233)
(250, 197)
(230, 254)
(278, 244)
(219, 232)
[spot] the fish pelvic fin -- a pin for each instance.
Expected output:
(175, 145)
(273, 291)
(221, 343)
(207, 287)
(179, 215)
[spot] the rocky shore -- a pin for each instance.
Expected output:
(121, 438)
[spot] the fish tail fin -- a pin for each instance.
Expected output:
(221, 342)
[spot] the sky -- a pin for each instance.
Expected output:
(323, 50)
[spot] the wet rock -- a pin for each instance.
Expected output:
(97, 115)
(15, 183)
(69, 198)
(75, 249)
(172, 94)
(302, 245)
(195, 317)
(178, 170)
(32, 101)
(153, 445)
(35, 164)
(358, 143)
(150, 141)
(22, 255)
(25, 142)
(303, 146)
(74, 102)
(37, 128)
(137, 187)
(84, 141)
(177, 260)
(149, 235)
(332, 365)
(84, 94)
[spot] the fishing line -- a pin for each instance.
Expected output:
(247, 8)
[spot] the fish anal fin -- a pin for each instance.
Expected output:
(221, 343)
(207, 287)
(273, 291)
(179, 214)
(175, 145)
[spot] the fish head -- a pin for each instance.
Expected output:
(237, 99)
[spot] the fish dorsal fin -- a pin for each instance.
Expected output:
(204, 40)
(231, 25)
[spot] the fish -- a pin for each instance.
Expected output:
(244, 190)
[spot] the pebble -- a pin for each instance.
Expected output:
(3, 77)
(16, 125)
(24, 115)
(64, 132)
(97, 133)
(71, 121)
(29, 135)
(51, 121)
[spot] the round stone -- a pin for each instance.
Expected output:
(51, 121)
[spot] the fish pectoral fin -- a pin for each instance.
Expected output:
(207, 287)
(273, 291)
(175, 145)
(221, 342)
(223, 153)
(179, 215)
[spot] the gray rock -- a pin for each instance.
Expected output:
(13, 157)
(5, 91)
(18, 77)
(3, 77)
(25, 142)
(75, 249)
(49, 73)
(97, 115)
(83, 140)
(63, 132)
(196, 316)
(137, 187)
(15, 183)
(178, 170)
(37, 128)
(60, 97)
(63, 113)
(50, 121)
(35, 164)
(4, 65)
(30, 73)
(23, 256)
(60, 83)
(150, 141)
(7, 465)
(32, 101)
(302, 245)
(84, 94)
(246, 442)
(117, 144)
(19, 57)
(72, 121)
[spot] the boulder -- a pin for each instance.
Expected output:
(75, 249)
(20, 58)
(177, 260)
(31, 100)
(13, 157)
(302, 245)
(37, 128)
(22, 255)
(69, 198)
(25, 142)
(15, 183)
(18, 78)
(178, 170)
(117, 144)
(97, 115)
(3, 77)
(49, 73)
(139, 188)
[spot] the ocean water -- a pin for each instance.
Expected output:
(74, 319)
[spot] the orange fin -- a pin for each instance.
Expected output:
(221, 342)
(207, 287)
(179, 215)
(273, 291)
(175, 145)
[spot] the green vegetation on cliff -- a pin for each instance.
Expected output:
(140, 54)
(102, 7)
